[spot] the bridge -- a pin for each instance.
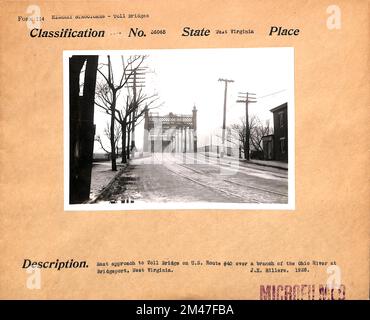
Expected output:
(174, 133)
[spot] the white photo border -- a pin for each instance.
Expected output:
(290, 205)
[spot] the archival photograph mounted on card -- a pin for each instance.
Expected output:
(190, 128)
(203, 150)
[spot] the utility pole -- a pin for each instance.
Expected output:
(137, 81)
(226, 81)
(246, 97)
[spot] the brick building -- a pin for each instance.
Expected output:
(275, 147)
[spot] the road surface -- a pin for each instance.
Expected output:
(197, 177)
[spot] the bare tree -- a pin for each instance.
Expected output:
(108, 91)
(107, 133)
(131, 114)
(256, 131)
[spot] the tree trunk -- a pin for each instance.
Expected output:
(112, 138)
(123, 142)
(133, 128)
(128, 141)
(129, 137)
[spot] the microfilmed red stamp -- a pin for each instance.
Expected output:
(302, 292)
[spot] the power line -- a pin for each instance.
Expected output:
(271, 94)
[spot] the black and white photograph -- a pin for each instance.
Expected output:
(179, 129)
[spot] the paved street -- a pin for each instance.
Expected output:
(166, 177)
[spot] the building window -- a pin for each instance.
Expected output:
(281, 119)
(282, 145)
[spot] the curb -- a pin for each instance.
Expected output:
(109, 184)
(257, 164)
(266, 165)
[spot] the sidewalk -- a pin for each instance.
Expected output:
(101, 176)
(265, 163)
(269, 163)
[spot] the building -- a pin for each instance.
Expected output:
(275, 147)
(170, 133)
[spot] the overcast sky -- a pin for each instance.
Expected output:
(187, 77)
